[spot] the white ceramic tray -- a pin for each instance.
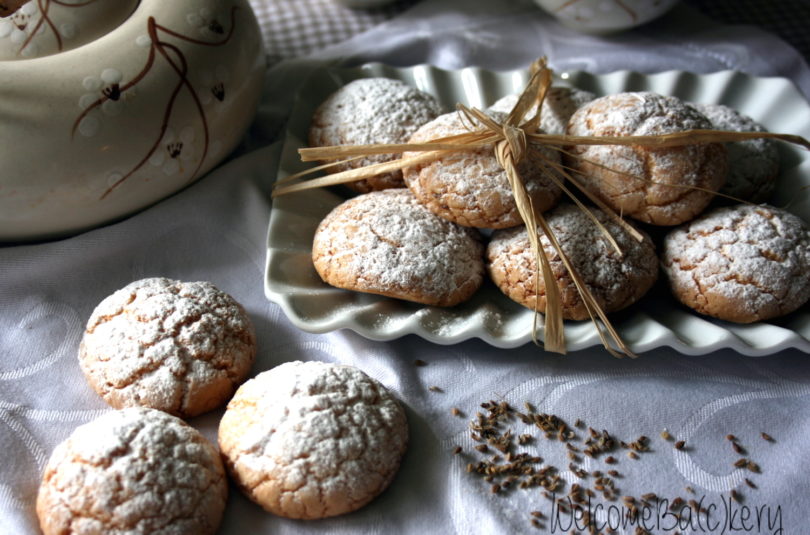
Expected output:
(658, 320)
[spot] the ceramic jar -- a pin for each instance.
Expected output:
(605, 16)
(107, 106)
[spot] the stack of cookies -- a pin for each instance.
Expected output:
(455, 219)
(303, 440)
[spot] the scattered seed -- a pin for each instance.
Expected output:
(579, 423)
(737, 448)
(741, 462)
(754, 467)
(665, 435)
(690, 490)
(435, 388)
(766, 436)
(735, 496)
(529, 407)
(537, 514)
(457, 450)
(614, 473)
(650, 496)
(495, 489)
(419, 362)
(611, 460)
(680, 444)
(750, 483)
(731, 438)
(536, 524)
(483, 448)
(632, 455)
(456, 412)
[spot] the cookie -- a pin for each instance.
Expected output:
(615, 282)
(470, 187)
(560, 103)
(740, 263)
(133, 471)
(663, 186)
(368, 111)
(180, 347)
(753, 165)
(313, 439)
(386, 243)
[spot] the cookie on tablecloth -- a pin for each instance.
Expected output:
(370, 111)
(663, 186)
(615, 281)
(386, 243)
(753, 165)
(134, 470)
(180, 347)
(313, 439)
(741, 263)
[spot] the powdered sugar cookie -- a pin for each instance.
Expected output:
(615, 282)
(367, 111)
(133, 471)
(312, 439)
(741, 263)
(387, 243)
(560, 103)
(658, 186)
(753, 165)
(180, 347)
(471, 188)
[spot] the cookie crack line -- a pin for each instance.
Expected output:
(385, 239)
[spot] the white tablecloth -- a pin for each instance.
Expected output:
(215, 230)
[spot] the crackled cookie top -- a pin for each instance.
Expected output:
(387, 243)
(180, 347)
(753, 165)
(560, 103)
(470, 187)
(369, 111)
(130, 472)
(659, 186)
(313, 439)
(615, 281)
(742, 263)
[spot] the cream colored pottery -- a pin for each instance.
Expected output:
(43, 27)
(605, 16)
(125, 118)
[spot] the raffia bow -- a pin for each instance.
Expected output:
(512, 141)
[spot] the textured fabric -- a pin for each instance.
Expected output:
(293, 28)
(215, 230)
(786, 18)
